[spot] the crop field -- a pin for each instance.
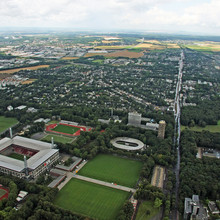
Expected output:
(114, 169)
(17, 156)
(6, 123)
(29, 81)
(125, 53)
(57, 139)
(70, 58)
(211, 128)
(24, 68)
(205, 46)
(93, 200)
(66, 129)
(146, 205)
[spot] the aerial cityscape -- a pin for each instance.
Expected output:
(108, 114)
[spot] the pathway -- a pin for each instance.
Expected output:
(124, 188)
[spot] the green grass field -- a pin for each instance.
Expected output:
(6, 123)
(146, 205)
(17, 156)
(2, 192)
(110, 168)
(66, 129)
(57, 139)
(211, 128)
(90, 199)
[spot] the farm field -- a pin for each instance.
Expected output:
(90, 199)
(211, 128)
(69, 58)
(66, 129)
(24, 68)
(57, 138)
(146, 205)
(6, 123)
(18, 156)
(29, 81)
(205, 46)
(114, 169)
(125, 53)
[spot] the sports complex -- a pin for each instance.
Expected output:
(26, 158)
(66, 129)
(95, 200)
(3, 192)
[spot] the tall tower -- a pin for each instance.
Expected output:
(161, 129)
(10, 132)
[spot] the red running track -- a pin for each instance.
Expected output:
(6, 193)
(77, 133)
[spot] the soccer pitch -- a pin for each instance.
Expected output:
(66, 129)
(89, 199)
(114, 169)
(58, 139)
(2, 192)
(18, 156)
(6, 123)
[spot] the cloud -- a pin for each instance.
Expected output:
(114, 14)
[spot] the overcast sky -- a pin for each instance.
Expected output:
(195, 16)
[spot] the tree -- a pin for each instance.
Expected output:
(157, 203)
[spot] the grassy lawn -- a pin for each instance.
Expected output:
(17, 156)
(211, 128)
(2, 192)
(146, 205)
(90, 199)
(98, 61)
(66, 129)
(58, 139)
(6, 123)
(110, 168)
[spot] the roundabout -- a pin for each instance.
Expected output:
(126, 143)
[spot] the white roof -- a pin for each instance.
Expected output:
(43, 154)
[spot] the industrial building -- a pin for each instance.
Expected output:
(38, 157)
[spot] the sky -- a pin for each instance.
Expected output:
(175, 16)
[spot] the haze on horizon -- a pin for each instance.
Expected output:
(187, 16)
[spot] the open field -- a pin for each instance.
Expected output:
(90, 199)
(125, 53)
(17, 156)
(24, 68)
(211, 128)
(205, 46)
(57, 139)
(114, 169)
(29, 81)
(69, 58)
(65, 129)
(146, 205)
(6, 123)
(150, 46)
(158, 176)
(118, 47)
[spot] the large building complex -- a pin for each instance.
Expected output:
(38, 157)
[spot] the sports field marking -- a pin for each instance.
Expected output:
(113, 169)
(90, 199)
(6, 123)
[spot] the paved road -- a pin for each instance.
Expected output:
(124, 188)
(69, 176)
